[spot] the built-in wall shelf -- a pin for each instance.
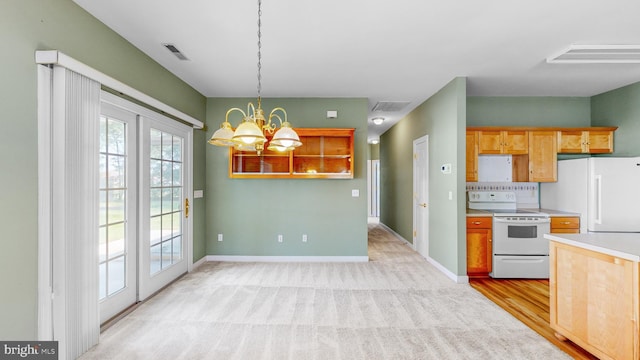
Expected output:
(326, 153)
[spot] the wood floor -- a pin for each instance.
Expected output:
(528, 301)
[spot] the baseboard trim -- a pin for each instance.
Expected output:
(407, 242)
(199, 263)
(242, 258)
(464, 279)
(455, 278)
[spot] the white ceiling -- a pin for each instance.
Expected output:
(400, 50)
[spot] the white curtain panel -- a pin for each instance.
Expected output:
(74, 195)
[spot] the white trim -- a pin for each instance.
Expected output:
(463, 279)
(198, 263)
(315, 259)
(56, 57)
(397, 235)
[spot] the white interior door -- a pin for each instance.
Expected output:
(421, 196)
(117, 227)
(373, 181)
(164, 222)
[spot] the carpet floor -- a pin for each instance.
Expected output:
(396, 306)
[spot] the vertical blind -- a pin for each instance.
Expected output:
(74, 189)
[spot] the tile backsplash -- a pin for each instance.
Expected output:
(527, 193)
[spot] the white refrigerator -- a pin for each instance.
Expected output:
(604, 190)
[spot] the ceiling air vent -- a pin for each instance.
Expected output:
(174, 50)
(598, 54)
(390, 105)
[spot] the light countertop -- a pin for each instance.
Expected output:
(554, 213)
(550, 212)
(622, 245)
(474, 213)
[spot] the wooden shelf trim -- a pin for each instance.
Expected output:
(540, 128)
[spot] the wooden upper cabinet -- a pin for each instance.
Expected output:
(585, 141)
(600, 141)
(502, 142)
(324, 154)
(516, 142)
(543, 156)
(472, 156)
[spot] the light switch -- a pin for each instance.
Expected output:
(198, 194)
(355, 193)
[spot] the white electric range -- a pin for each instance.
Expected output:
(519, 248)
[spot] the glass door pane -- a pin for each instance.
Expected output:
(165, 200)
(117, 226)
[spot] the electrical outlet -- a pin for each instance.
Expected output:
(304, 237)
(219, 237)
(279, 238)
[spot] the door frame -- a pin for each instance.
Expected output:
(420, 237)
(146, 116)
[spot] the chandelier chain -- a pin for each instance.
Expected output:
(259, 50)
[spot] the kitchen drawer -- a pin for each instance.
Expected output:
(479, 222)
(562, 223)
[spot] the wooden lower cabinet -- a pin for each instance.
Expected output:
(479, 246)
(565, 224)
(594, 301)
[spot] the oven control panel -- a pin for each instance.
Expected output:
(492, 196)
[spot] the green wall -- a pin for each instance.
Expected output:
(374, 151)
(27, 26)
(621, 108)
(250, 213)
(443, 118)
(528, 111)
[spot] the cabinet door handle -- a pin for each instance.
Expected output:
(477, 223)
(565, 223)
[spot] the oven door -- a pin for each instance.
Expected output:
(520, 237)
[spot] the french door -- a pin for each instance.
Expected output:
(164, 211)
(117, 213)
(144, 229)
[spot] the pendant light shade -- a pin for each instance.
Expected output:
(286, 137)
(248, 133)
(222, 136)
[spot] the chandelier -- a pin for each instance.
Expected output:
(250, 134)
